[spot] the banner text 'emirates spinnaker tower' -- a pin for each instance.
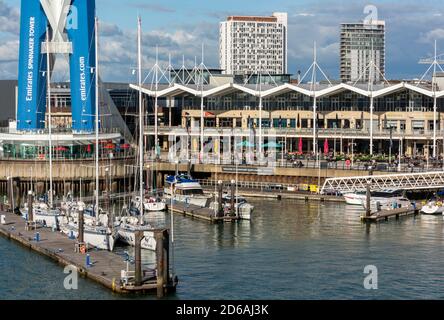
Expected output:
(71, 32)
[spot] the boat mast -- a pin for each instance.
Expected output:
(48, 80)
(141, 128)
(97, 116)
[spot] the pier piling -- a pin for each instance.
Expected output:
(162, 255)
(367, 199)
(220, 188)
(138, 258)
(81, 237)
(233, 191)
(30, 207)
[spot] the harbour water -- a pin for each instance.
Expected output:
(290, 250)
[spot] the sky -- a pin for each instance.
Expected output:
(180, 27)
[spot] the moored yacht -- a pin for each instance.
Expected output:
(183, 188)
(433, 207)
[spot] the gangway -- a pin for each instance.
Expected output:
(402, 181)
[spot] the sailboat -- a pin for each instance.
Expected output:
(43, 210)
(99, 231)
(129, 225)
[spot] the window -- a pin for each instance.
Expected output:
(417, 125)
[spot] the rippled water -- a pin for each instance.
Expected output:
(291, 250)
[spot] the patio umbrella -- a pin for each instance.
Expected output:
(326, 147)
(61, 149)
(273, 145)
(110, 146)
(300, 146)
(125, 146)
(245, 144)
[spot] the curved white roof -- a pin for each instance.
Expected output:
(267, 91)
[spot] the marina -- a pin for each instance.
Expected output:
(101, 266)
(243, 180)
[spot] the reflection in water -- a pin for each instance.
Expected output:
(290, 250)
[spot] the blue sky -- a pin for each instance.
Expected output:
(180, 27)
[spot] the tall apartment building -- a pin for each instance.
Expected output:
(250, 44)
(360, 43)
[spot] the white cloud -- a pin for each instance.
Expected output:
(431, 36)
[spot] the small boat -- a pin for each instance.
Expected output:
(433, 207)
(355, 198)
(150, 204)
(128, 225)
(186, 190)
(243, 209)
(97, 233)
(43, 215)
(358, 198)
(392, 203)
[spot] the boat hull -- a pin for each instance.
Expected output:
(127, 235)
(432, 209)
(100, 240)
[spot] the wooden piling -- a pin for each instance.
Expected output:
(162, 255)
(368, 201)
(220, 188)
(138, 257)
(81, 237)
(233, 195)
(30, 207)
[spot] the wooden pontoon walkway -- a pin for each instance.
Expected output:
(105, 266)
(197, 212)
(385, 215)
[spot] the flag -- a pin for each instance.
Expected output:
(300, 146)
(326, 147)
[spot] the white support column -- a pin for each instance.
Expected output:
(201, 127)
(371, 122)
(434, 122)
(260, 125)
(315, 125)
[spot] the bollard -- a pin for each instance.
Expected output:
(3, 219)
(88, 260)
(37, 237)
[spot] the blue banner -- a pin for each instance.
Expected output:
(82, 65)
(32, 67)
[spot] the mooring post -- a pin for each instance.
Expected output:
(233, 196)
(162, 257)
(30, 207)
(220, 187)
(367, 201)
(138, 258)
(10, 194)
(80, 219)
